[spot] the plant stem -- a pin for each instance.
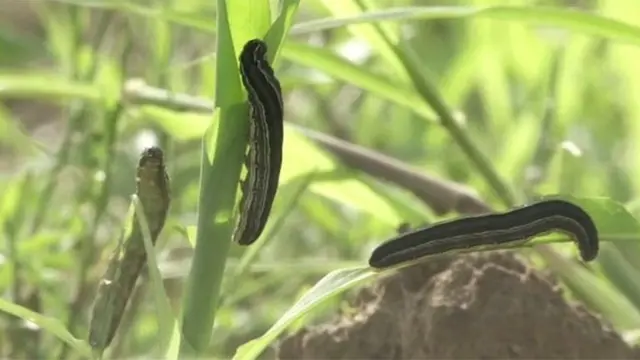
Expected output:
(221, 164)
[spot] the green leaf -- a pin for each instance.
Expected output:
(620, 272)
(374, 33)
(169, 336)
(576, 20)
(340, 68)
(52, 325)
(331, 285)
(180, 125)
(596, 292)
(45, 86)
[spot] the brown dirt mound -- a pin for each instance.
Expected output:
(481, 306)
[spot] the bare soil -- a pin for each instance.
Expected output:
(482, 306)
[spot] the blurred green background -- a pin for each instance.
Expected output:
(549, 96)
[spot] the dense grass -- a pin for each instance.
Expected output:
(495, 105)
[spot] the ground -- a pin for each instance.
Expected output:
(482, 306)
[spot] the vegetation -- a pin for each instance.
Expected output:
(474, 107)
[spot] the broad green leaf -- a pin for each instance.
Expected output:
(280, 28)
(221, 162)
(248, 20)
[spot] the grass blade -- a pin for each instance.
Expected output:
(130, 255)
(329, 286)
